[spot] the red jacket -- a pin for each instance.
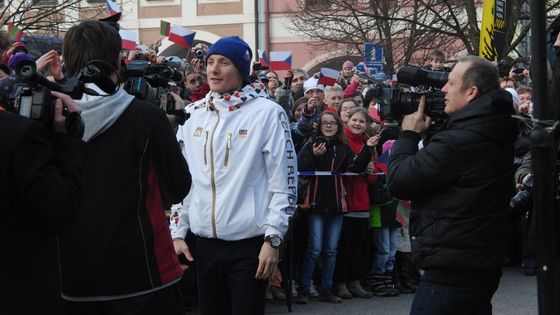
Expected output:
(357, 186)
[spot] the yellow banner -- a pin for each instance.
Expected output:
(493, 29)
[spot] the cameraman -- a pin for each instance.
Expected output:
(459, 185)
(118, 258)
(40, 186)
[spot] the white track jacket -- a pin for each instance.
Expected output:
(243, 165)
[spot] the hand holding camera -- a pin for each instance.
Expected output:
(66, 114)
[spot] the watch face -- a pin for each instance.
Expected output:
(275, 241)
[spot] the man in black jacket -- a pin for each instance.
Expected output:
(118, 258)
(460, 186)
(40, 174)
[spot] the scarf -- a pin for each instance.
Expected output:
(232, 101)
(356, 142)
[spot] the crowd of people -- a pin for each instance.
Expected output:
(379, 208)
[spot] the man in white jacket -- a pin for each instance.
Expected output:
(243, 164)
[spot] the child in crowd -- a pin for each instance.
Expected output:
(326, 199)
(354, 247)
(344, 110)
(525, 100)
(437, 60)
(385, 231)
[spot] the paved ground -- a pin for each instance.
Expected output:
(517, 295)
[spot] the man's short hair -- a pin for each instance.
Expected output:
(437, 55)
(524, 89)
(481, 73)
(298, 70)
(334, 88)
(91, 40)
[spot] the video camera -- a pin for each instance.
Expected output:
(149, 82)
(394, 103)
(28, 94)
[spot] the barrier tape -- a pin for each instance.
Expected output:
(327, 173)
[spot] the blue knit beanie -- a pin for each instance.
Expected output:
(236, 50)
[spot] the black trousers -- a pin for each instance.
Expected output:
(164, 301)
(354, 250)
(226, 277)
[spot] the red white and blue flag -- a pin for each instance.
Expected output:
(113, 7)
(129, 39)
(263, 57)
(182, 36)
(328, 76)
(280, 60)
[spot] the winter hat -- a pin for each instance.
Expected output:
(311, 84)
(236, 50)
(348, 64)
(19, 46)
(514, 96)
(380, 76)
(15, 59)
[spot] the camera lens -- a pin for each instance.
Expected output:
(199, 53)
(27, 71)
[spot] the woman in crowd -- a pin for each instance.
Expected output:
(326, 199)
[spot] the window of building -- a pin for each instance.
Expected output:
(312, 3)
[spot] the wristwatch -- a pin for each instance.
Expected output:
(274, 240)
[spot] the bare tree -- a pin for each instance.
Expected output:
(408, 29)
(48, 16)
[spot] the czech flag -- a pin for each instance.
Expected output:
(113, 7)
(328, 76)
(129, 39)
(14, 32)
(263, 58)
(280, 60)
(181, 36)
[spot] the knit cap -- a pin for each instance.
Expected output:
(236, 50)
(16, 59)
(348, 64)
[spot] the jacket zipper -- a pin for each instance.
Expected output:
(212, 178)
(228, 147)
(205, 143)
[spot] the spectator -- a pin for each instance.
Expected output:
(448, 183)
(385, 234)
(118, 257)
(315, 92)
(437, 60)
(196, 85)
(292, 89)
(354, 247)
(239, 141)
(345, 107)
(327, 151)
(333, 98)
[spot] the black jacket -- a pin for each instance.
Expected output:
(40, 186)
(121, 242)
(327, 194)
(460, 186)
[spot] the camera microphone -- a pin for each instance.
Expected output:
(415, 76)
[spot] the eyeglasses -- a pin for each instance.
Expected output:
(329, 123)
